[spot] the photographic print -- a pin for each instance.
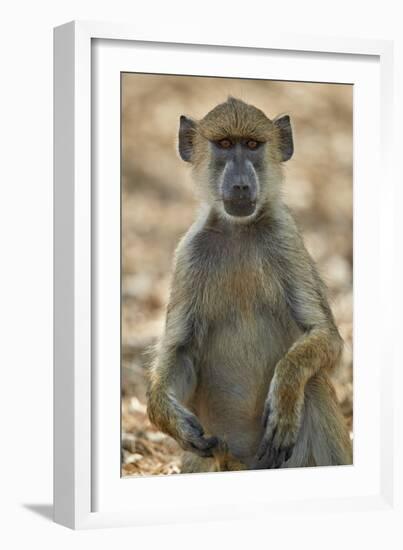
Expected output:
(236, 274)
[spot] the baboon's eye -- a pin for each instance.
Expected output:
(252, 144)
(225, 143)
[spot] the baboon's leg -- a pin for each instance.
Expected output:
(323, 439)
(223, 461)
(191, 463)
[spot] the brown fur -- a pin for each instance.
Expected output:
(241, 370)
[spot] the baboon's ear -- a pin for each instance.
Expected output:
(283, 123)
(187, 128)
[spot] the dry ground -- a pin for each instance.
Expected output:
(158, 207)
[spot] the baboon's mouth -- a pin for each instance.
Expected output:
(239, 207)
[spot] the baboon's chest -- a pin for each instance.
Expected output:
(238, 282)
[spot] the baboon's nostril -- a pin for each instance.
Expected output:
(239, 187)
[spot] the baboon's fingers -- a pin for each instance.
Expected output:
(204, 446)
(194, 425)
(267, 459)
(288, 453)
(277, 456)
(279, 459)
(266, 414)
(271, 453)
(272, 458)
(266, 443)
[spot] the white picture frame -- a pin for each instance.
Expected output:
(88, 490)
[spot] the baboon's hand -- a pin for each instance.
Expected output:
(190, 436)
(173, 418)
(281, 422)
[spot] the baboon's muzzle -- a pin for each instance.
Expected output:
(239, 196)
(239, 185)
(239, 207)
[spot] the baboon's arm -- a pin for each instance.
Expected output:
(319, 346)
(173, 375)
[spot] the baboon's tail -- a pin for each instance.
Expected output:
(324, 438)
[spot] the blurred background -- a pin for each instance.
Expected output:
(158, 206)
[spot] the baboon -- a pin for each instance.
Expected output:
(241, 375)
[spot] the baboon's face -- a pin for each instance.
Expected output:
(235, 166)
(236, 152)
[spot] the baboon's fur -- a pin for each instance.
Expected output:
(249, 332)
